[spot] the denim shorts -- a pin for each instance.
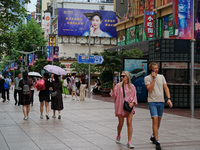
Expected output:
(156, 109)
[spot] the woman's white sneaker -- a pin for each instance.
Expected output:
(118, 139)
(130, 145)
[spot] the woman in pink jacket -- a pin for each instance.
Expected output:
(130, 96)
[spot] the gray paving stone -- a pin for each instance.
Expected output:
(90, 125)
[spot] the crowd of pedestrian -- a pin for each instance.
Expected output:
(124, 93)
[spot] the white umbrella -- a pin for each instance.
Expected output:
(55, 69)
(35, 74)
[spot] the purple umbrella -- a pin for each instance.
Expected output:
(55, 69)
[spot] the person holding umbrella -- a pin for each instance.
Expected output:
(44, 96)
(56, 97)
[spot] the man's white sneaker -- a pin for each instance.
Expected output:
(41, 117)
(130, 145)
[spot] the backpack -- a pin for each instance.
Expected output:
(6, 84)
(65, 83)
(40, 85)
(26, 88)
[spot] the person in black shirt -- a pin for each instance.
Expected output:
(44, 96)
(24, 97)
(2, 90)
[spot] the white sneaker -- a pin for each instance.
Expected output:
(77, 99)
(73, 98)
(130, 145)
(54, 116)
(41, 117)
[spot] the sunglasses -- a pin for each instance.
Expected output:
(122, 76)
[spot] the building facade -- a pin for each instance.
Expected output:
(70, 46)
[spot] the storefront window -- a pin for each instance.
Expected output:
(176, 75)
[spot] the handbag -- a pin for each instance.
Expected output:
(126, 104)
(53, 94)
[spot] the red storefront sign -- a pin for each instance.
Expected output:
(149, 23)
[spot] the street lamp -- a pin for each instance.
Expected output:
(89, 16)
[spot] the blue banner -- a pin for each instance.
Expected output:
(73, 22)
(31, 59)
(12, 65)
(49, 53)
(185, 19)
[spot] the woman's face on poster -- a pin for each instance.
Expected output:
(96, 21)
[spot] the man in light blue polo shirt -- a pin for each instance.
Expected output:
(17, 90)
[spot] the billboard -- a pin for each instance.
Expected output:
(149, 23)
(185, 19)
(138, 70)
(73, 22)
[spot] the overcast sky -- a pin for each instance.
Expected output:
(31, 6)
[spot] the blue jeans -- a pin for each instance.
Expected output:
(156, 109)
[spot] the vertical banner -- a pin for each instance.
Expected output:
(175, 13)
(35, 57)
(47, 22)
(185, 19)
(12, 66)
(55, 53)
(6, 68)
(197, 21)
(31, 59)
(49, 53)
(149, 23)
(15, 66)
(52, 41)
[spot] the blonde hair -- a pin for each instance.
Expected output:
(128, 79)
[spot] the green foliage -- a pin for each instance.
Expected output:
(83, 68)
(106, 78)
(12, 13)
(40, 63)
(113, 61)
(21, 40)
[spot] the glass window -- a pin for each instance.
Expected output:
(176, 75)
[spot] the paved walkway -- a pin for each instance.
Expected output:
(90, 125)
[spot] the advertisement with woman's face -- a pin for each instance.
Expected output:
(73, 22)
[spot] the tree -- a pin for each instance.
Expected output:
(83, 68)
(113, 61)
(39, 64)
(12, 13)
(24, 37)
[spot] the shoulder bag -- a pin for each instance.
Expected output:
(126, 104)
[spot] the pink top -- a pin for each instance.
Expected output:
(130, 96)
